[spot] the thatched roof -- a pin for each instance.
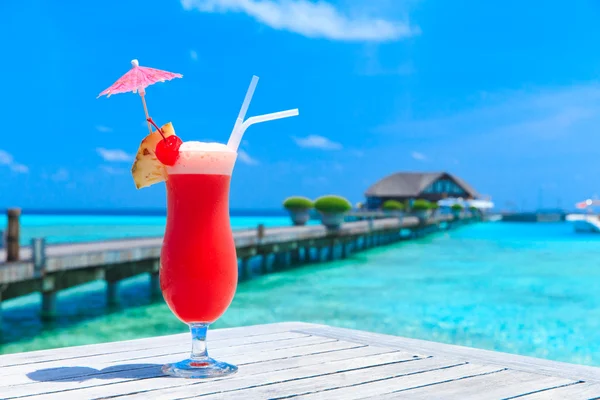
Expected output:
(412, 184)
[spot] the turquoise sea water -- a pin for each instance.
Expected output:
(531, 289)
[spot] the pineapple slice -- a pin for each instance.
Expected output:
(146, 169)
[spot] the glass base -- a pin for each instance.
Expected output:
(205, 368)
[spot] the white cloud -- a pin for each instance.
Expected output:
(19, 168)
(103, 129)
(109, 169)
(246, 159)
(357, 153)
(317, 142)
(114, 155)
(5, 158)
(193, 55)
(312, 19)
(418, 156)
(61, 175)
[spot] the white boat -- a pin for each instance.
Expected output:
(586, 223)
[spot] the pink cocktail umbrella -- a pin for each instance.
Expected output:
(137, 80)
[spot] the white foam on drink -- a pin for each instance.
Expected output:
(204, 158)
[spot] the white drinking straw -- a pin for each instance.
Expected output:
(245, 104)
(236, 135)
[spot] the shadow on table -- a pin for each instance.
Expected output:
(80, 374)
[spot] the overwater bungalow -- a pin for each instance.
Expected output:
(407, 186)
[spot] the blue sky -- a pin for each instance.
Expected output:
(505, 95)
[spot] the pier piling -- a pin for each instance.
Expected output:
(260, 233)
(112, 293)
(155, 280)
(245, 269)
(264, 263)
(306, 254)
(48, 298)
(345, 249)
(331, 250)
(13, 234)
(285, 260)
(38, 254)
(278, 262)
(295, 256)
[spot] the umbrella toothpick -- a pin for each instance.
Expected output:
(146, 112)
(130, 82)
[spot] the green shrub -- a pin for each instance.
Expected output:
(434, 206)
(473, 208)
(393, 205)
(457, 207)
(298, 203)
(332, 204)
(421, 205)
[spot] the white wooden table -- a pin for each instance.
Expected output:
(298, 360)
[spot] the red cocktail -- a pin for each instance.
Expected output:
(198, 254)
(199, 269)
(198, 272)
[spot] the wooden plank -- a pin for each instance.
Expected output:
(582, 390)
(242, 381)
(283, 360)
(36, 357)
(513, 361)
(179, 351)
(381, 388)
(16, 271)
(18, 374)
(261, 362)
(501, 385)
(298, 384)
(130, 373)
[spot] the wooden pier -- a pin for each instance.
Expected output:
(48, 269)
(293, 360)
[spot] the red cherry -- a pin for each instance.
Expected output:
(167, 150)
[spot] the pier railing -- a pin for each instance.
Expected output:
(50, 268)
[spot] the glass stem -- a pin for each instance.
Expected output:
(199, 351)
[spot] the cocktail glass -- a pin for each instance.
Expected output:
(199, 270)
